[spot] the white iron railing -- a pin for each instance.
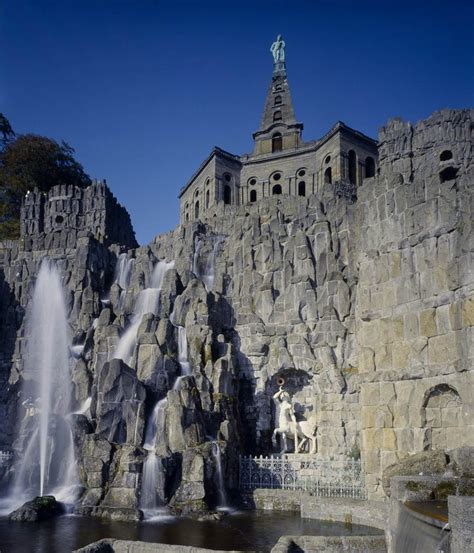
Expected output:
(5, 457)
(341, 477)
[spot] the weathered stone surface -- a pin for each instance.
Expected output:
(363, 305)
(39, 508)
(118, 404)
(424, 463)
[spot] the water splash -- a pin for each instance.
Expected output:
(147, 302)
(45, 431)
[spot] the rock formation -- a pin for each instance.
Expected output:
(365, 308)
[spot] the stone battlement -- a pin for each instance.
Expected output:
(439, 146)
(57, 218)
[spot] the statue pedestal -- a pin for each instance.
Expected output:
(279, 69)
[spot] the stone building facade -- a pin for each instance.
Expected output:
(282, 163)
(66, 212)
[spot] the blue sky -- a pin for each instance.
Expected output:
(144, 89)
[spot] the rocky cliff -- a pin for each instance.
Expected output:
(365, 308)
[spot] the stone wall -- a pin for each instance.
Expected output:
(414, 314)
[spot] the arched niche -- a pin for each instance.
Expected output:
(442, 417)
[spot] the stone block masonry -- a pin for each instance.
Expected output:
(58, 218)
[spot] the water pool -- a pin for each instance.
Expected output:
(248, 530)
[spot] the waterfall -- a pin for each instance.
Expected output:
(123, 274)
(153, 477)
(183, 351)
(146, 302)
(123, 271)
(46, 432)
(197, 249)
(207, 275)
(84, 408)
(216, 453)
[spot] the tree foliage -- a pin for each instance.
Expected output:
(29, 161)
(5, 129)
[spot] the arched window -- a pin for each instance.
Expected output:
(196, 194)
(277, 100)
(301, 188)
(369, 167)
(187, 216)
(277, 115)
(253, 195)
(449, 173)
(196, 210)
(352, 167)
(328, 175)
(208, 199)
(278, 88)
(276, 190)
(227, 194)
(277, 142)
(444, 156)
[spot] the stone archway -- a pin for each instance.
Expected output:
(442, 418)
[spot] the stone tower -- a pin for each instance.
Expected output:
(281, 163)
(278, 129)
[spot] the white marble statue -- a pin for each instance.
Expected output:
(289, 427)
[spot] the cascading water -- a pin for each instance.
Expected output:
(183, 351)
(207, 275)
(216, 453)
(153, 475)
(123, 274)
(123, 271)
(197, 250)
(147, 302)
(45, 430)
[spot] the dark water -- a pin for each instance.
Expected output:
(257, 531)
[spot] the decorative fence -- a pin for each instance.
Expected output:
(5, 457)
(342, 477)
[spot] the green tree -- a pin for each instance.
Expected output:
(30, 161)
(5, 130)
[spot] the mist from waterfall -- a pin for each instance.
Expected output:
(146, 302)
(47, 464)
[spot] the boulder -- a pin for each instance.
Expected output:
(119, 399)
(426, 463)
(40, 508)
